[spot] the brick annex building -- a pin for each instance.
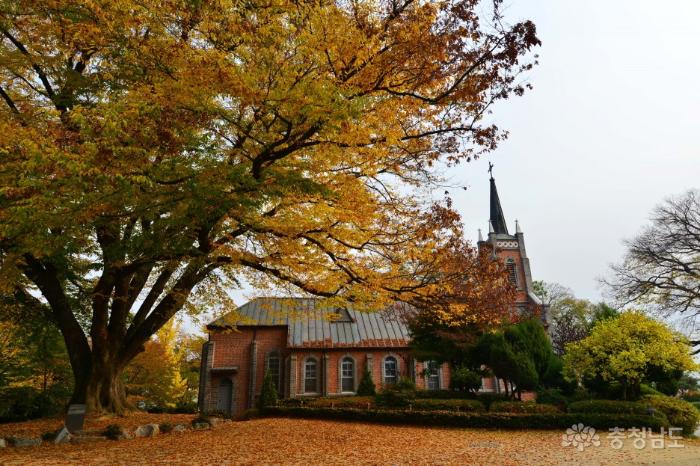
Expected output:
(315, 351)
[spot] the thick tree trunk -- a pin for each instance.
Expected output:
(102, 390)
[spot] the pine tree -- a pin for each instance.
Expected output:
(268, 394)
(366, 387)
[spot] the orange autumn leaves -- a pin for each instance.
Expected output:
(167, 149)
(299, 441)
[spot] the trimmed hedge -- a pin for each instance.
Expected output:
(609, 406)
(448, 405)
(493, 420)
(489, 398)
(360, 402)
(443, 394)
(552, 396)
(520, 407)
(680, 413)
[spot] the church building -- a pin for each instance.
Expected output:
(312, 351)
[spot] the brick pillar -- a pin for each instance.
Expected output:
(252, 373)
(292, 376)
(324, 380)
(204, 397)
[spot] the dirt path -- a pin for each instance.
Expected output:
(287, 441)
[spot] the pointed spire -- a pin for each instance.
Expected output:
(517, 227)
(490, 227)
(497, 220)
(481, 238)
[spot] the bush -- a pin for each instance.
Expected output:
(465, 380)
(609, 406)
(693, 395)
(366, 386)
(23, 403)
(405, 383)
(680, 413)
(360, 402)
(460, 405)
(488, 398)
(185, 407)
(552, 396)
(645, 389)
(443, 394)
(295, 402)
(113, 432)
(397, 396)
(696, 404)
(520, 407)
(268, 393)
(166, 427)
(557, 420)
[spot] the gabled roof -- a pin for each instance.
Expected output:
(312, 324)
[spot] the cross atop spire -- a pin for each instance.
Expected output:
(496, 219)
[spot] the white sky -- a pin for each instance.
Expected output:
(608, 132)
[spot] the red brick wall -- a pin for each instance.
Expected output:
(360, 356)
(233, 348)
(422, 382)
(505, 254)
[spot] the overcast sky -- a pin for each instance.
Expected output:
(609, 131)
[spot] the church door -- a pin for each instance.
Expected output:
(225, 395)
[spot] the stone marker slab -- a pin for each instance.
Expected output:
(75, 418)
(63, 436)
(180, 428)
(3, 444)
(24, 442)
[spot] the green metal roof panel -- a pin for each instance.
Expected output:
(310, 323)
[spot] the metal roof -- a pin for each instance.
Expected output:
(312, 324)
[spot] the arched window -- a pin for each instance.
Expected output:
(432, 375)
(311, 375)
(274, 368)
(347, 375)
(391, 370)
(512, 271)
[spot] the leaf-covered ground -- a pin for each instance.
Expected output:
(131, 421)
(289, 441)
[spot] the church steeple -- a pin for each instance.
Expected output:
(497, 219)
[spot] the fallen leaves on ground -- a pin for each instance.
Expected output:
(303, 442)
(129, 421)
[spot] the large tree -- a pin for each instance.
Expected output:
(570, 318)
(154, 152)
(661, 269)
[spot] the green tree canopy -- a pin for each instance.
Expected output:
(628, 349)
